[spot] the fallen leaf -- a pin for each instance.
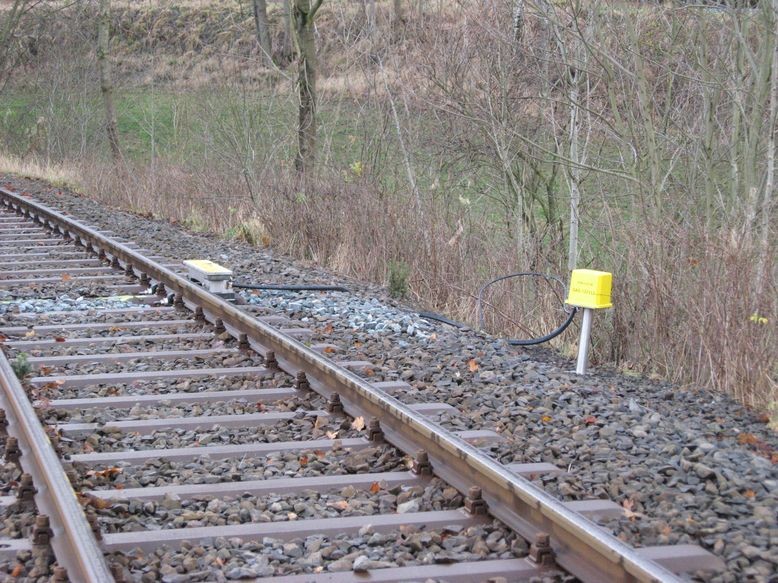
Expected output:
(749, 494)
(628, 504)
(95, 502)
(357, 344)
(3, 338)
(545, 418)
(320, 453)
(115, 329)
(66, 277)
(260, 406)
(472, 365)
(45, 370)
(53, 385)
(17, 570)
(42, 403)
(59, 339)
(329, 349)
(591, 419)
(303, 459)
(375, 488)
(106, 473)
(747, 439)
(328, 329)
(358, 423)
(29, 334)
(369, 372)
(331, 434)
(340, 505)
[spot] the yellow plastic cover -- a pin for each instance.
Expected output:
(590, 289)
(206, 266)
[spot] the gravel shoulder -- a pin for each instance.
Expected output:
(689, 465)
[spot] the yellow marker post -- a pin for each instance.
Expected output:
(590, 290)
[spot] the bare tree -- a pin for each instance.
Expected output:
(304, 15)
(106, 81)
(769, 188)
(10, 18)
(575, 57)
(263, 29)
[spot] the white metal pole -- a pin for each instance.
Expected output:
(583, 344)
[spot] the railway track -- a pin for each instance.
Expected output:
(265, 451)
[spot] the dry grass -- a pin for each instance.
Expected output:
(62, 175)
(669, 322)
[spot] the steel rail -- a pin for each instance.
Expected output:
(581, 547)
(73, 543)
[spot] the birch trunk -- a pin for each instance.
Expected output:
(573, 176)
(769, 188)
(518, 20)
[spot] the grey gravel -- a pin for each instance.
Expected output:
(229, 559)
(689, 464)
(203, 470)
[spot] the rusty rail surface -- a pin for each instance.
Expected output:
(580, 546)
(74, 545)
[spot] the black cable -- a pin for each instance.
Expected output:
(549, 336)
(529, 341)
(439, 318)
(432, 315)
(277, 287)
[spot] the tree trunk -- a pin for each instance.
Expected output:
(106, 83)
(518, 20)
(769, 188)
(263, 29)
(286, 49)
(369, 6)
(304, 15)
(399, 17)
(573, 176)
